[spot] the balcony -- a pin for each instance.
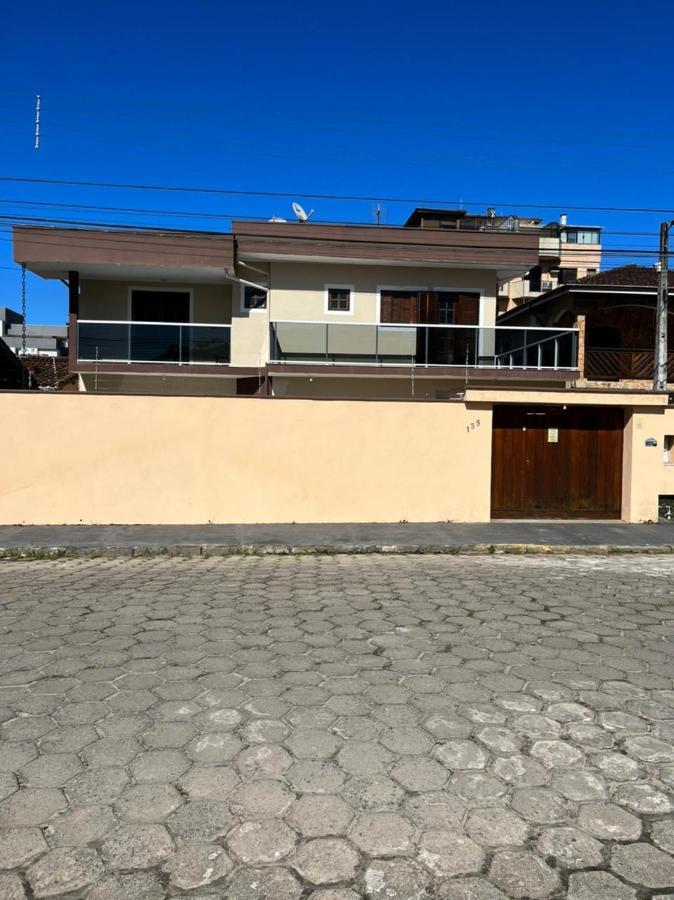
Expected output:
(180, 344)
(623, 364)
(417, 345)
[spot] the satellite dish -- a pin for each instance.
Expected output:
(300, 213)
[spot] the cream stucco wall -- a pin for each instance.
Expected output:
(654, 476)
(136, 459)
(298, 289)
(211, 303)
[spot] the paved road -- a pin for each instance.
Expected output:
(337, 537)
(337, 727)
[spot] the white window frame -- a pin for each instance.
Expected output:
(242, 301)
(340, 287)
(172, 289)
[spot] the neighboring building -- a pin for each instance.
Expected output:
(566, 252)
(41, 340)
(614, 312)
(295, 309)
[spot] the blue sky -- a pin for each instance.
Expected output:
(492, 103)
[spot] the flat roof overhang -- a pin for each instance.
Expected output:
(376, 245)
(127, 255)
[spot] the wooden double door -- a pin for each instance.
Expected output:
(551, 462)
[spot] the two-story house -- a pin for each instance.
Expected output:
(297, 309)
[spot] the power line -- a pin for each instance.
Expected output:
(454, 203)
(173, 213)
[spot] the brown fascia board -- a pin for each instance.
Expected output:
(70, 248)
(392, 244)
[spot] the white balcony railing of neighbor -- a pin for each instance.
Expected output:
(467, 346)
(180, 343)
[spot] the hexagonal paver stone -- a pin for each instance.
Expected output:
(534, 725)
(69, 739)
(364, 758)
(51, 770)
(598, 886)
(197, 865)
(523, 875)
(579, 785)
(313, 743)
(397, 879)
(320, 815)
(499, 739)
(82, 825)
(134, 886)
(556, 754)
(407, 741)
(263, 761)
(265, 731)
(571, 848)
(98, 786)
(609, 822)
(373, 792)
(26, 728)
(167, 736)
(261, 842)
(520, 771)
(570, 712)
(643, 864)
(326, 860)
(11, 887)
(420, 774)
(445, 726)
(209, 783)
(662, 834)
(495, 827)
(315, 776)
(261, 800)
(617, 766)
(434, 811)
(200, 821)
(159, 765)
(542, 806)
(450, 853)
(110, 752)
(461, 755)
(136, 847)
(218, 720)
(214, 748)
(642, 798)
(477, 788)
(13, 756)
(147, 803)
(381, 833)
(649, 749)
(20, 846)
(64, 870)
(591, 736)
(473, 888)
(263, 884)
(8, 784)
(31, 806)
(334, 894)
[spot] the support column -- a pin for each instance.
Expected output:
(73, 313)
(580, 325)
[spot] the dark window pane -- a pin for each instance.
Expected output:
(160, 306)
(254, 298)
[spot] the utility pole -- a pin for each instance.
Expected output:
(660, 368)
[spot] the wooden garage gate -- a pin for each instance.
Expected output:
(557, 463)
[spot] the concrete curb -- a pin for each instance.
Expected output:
(210, 550)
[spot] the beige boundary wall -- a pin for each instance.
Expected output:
(125, 459)
(134, 459)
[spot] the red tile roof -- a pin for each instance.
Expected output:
(626, 276)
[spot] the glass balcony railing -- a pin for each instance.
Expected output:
(153, 342)
(468, 346)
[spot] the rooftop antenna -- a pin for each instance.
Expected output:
(37, 121)
(301, 215)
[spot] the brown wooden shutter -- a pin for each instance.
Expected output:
(428, 308)
(467, 309)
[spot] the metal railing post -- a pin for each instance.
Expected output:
(524, 350)
(180, 345)
(128, 342)
(376, 343)
(556, 359)
(426, 346)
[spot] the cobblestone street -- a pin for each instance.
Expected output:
(397, 728)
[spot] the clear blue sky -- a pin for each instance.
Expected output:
(499, 103)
